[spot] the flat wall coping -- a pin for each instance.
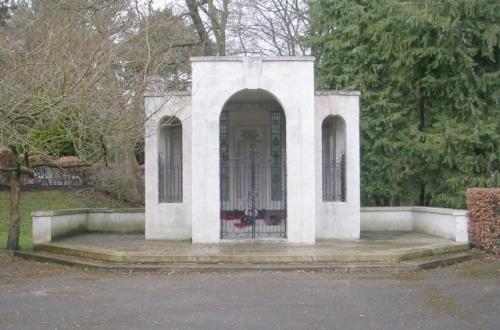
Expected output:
(242, 58)
(188, 93)
(335, 92)
(426, 209)
(85, 211)
(167, 93)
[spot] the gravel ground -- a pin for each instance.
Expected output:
(47, 296)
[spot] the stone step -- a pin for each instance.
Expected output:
(428, 262)
(114, 256)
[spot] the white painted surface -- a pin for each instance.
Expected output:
(446, 223)
(66, 224)
(120, 222)
(290, 80)
(41, 229)
(167, 220)
(339, 219)
(49, 225)
(386, 219)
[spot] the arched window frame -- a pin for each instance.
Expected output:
(170, 182)
(333, 159)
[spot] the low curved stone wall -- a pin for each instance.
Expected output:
(446, 223)
(48, 225)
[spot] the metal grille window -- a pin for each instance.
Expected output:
(224, 155)
(252, 155)
(249, 212)
(333, 160)
(334, 187)
(170, 161)
(276, 155)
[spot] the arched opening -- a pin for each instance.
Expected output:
(253, 166)
(333, 137)
(170, 160)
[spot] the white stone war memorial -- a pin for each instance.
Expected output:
(252, 152)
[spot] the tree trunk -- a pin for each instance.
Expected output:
(130, 168)
(200, 28)
(15, 216)
(421, 197)
(421, 128)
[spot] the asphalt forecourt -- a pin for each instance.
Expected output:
(38, 295)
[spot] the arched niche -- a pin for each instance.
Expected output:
(170, 160)
(252, 166)
(333, 159)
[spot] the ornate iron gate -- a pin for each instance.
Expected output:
(253, 198)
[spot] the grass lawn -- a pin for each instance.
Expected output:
(46, 200)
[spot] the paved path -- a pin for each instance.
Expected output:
(370, 243)
(47, 296)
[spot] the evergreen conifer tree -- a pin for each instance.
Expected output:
(430, 82)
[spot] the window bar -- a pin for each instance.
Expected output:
(343, 178)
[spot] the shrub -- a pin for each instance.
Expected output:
(484, 218)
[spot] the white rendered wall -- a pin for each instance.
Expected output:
(49, 225)
(291, 81)
(386, 219)
(116, 222)
(167, 220)
(339, 219)
(446, 223)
